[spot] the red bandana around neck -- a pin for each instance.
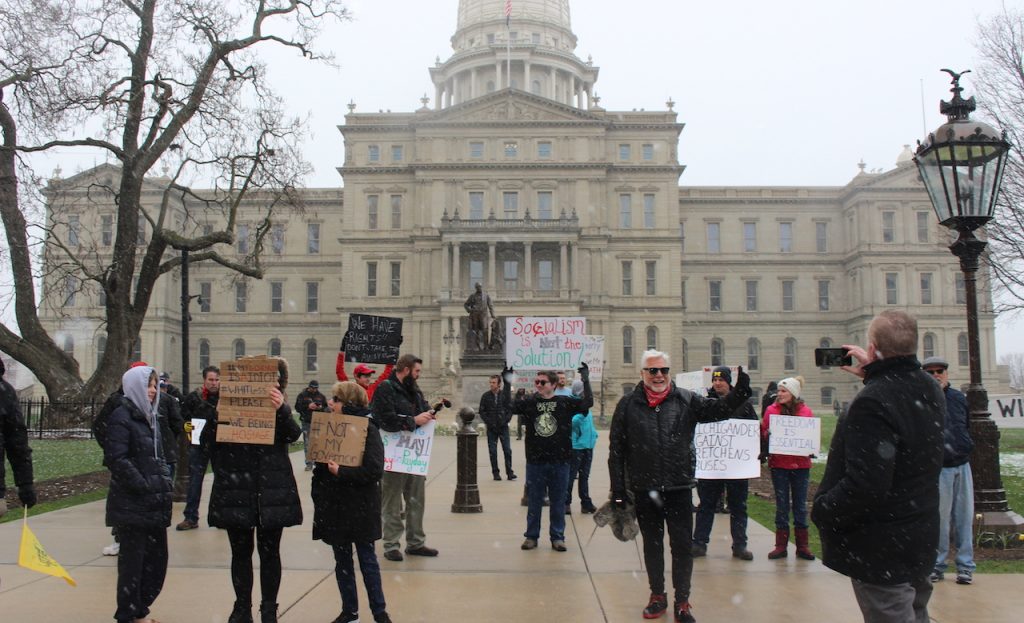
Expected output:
(655, 398)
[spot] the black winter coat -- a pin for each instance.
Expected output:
(347, 507)
(308, 399)
(395, 405)
(171, 425)
(877, 507)
(253, 485)
(13, 439)
(650, 448)
(140, 484)
(495, 410)
(956, 437)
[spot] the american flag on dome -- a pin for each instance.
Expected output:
(508, 13)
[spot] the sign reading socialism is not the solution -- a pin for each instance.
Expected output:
(245, 413)
(544, 343)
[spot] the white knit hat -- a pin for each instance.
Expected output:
(792, 385)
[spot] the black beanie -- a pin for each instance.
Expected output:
(722, 372)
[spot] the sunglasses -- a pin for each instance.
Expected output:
(540, 382)
(653, 371)
(935, 371)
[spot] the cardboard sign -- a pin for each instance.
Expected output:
(794, 435)
(336, 437)
(544, 343)
(408, 452)
(593, 355)
(1007, 410)
(373, 339)
(245, 413)
(728, 449)
(198, 424)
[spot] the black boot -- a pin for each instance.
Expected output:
(241, 613)
(268, 612)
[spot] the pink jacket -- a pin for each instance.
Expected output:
(785, 461)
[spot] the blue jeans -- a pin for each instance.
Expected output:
(493, 436)
(344, 572)
(790, 485)
(548, 479)
(956, 507)
(305, 443)
(580, 467)
(198, 459)
(736, 495)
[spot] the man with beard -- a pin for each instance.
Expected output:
(399, 406)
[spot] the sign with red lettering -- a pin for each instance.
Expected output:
(544, 343)
(245, 413)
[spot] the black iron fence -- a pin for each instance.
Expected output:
(46, 419)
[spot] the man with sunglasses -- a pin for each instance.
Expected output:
(650, 440)
(548, 420)
(956, 484)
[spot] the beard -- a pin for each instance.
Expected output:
(410, 384)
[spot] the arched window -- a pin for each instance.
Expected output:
(274, 348)
(789, 354)
(101, 349)
(963, 354)
(310, 351)
(652, 338)
(684, 363)
(928, 345)
(753, 354)
(717, 352)
(238, 347)
(627, 344)
(204, 354)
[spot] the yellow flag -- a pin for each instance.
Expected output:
(33, 556)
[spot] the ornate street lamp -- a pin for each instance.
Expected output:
(961, 165)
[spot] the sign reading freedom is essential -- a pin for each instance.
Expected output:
(728, 449)
(373, 339)
(408, 452)
(794, 435)
(337, 437)
(245, 413)
(544, 343)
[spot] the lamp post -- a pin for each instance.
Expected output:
(961, 165)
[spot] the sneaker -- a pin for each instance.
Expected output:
(964, 576)
(742, 553)
(657, 606)
(394, 555)
(422, 550)
(187, 524)
(346, 617)
(529, 544)
(381, 617)
(683, 614)
(112, 550)
(698, 550)
(936, 576)
(558, 545)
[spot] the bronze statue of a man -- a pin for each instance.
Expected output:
(481, 312)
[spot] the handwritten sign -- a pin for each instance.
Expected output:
(1007, 410)
(408, 452)
(794, 435)
(728, 449)
(593, 355)
(336, 437)
(245, 413)
(544, 343)
(373, 339)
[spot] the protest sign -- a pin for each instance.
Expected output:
(198, 424)
(794, 435)
(1007, 410)
(336, 437)
(544, 343)
(727, 449)
(245, 413)
(408, 452)
(593, 355)
(373, 339)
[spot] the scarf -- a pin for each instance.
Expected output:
(655, 398)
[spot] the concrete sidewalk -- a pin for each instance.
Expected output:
(480, 575)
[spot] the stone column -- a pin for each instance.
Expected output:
(455, 89)
(438, 95)
(574, 266)
(563, 273)
(446, 273)
(472, 83)
(491, 257)
(456, 278)
(498, 84)
(528, 269)
(526, 76)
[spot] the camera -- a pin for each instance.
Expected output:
(444, 403)
(828, 357)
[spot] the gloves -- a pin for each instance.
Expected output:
(763, 457)
(619, 500)
(507, 374)
(742, 380)
(344, 342)
(27, 495)
(584, 371)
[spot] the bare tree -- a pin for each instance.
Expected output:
(1015, 362)
(999, 82)
(176, 85)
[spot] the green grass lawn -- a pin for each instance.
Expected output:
(53, 458)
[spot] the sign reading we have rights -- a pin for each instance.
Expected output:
(544, 343)
(245, 413)
(373, 339)
(794, 435)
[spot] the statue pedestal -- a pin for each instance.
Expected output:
(476, 370)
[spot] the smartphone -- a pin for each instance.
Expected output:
(827, 357)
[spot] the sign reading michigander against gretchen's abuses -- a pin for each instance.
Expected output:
(794, 435)
(337, 437)
(245, 413)
(373, 339)
(408, 452)
(728, 449)
(544, 343)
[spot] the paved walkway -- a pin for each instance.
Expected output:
(480, 575)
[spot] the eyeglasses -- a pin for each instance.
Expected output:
(540, 382)
(653, 371)
(935, 371)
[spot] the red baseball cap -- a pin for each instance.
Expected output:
(363, 370)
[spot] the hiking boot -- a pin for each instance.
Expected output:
(964, 576)
(657, 606)
(241, 613)
(394, 555)
(936, 576)
(529, 544)
(742, 553)
(187, 524)
(698, 550)
(268, 612)
(682, 611)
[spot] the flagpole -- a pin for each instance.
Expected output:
(508, 40)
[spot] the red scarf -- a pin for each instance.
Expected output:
(655, 399)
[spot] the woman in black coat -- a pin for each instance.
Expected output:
(254, 495)
(139, 498)
(347, 510)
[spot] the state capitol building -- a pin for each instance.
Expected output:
(515, 177)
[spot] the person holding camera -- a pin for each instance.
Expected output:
(308, 401)
(650, 463)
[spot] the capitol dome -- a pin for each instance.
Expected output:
(477, 12)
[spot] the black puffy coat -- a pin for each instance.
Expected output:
(306, 400)
(495, 410)
(253, 485)
(877, 507)
(171, 425)
(395, 405)
(140, 484)
(347, 507)
(650, 448)
(13, 439)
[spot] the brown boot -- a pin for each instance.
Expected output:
(802, 551)
(781, 543)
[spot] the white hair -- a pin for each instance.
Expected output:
(654, 354)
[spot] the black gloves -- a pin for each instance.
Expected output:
(344, 342)
(619, 499)
(742, 380)
(27, 495)
(507, 375)
(584, 371)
